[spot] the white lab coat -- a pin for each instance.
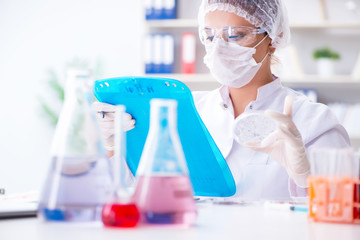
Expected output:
(256, 175)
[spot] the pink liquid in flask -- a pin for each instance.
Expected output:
(166, 200)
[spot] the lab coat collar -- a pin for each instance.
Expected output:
(263, 92)
(224, 93)
(267, 90)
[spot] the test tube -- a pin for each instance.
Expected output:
(122, 211)
(333, 165)
(119, 155)
(357, 185)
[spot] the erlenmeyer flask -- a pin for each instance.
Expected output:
(164, 194)
(79, 178)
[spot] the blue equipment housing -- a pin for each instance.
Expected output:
(208, 170)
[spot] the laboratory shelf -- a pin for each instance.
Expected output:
(326, 25)
(343, 89)
(306, 81)
(315, 80)
(186, 78)
(193, 23)
(172, 23)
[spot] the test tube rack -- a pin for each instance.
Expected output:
(334, 200)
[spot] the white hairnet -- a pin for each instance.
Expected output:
(269, 15)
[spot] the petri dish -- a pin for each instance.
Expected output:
(253, 127)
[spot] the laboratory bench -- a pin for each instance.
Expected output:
(215, 221)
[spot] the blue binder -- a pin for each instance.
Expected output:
(208, 170)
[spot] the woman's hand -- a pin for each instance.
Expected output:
(106, 116)
(285, 145)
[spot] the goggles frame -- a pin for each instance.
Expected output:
(227, 34)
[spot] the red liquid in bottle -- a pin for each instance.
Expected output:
(120, 215)
(356, 201)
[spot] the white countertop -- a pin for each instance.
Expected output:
(214, 222)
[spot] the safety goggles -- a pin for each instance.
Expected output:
(244, 36)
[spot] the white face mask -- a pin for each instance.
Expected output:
(231, 64)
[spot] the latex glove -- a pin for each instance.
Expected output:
(106, 116)
(285, 145)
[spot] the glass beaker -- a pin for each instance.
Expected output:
(164, 194)
(79, 179)
(121, 210)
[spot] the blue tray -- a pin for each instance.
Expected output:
(208, 170)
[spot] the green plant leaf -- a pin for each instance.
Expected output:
(51, 114)
(55, 85)
(325, 52)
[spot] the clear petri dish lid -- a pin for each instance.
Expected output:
(253, 127)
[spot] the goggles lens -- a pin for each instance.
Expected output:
(241, 35)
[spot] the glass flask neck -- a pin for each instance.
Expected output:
(162, 154)
(77, 84)
(77, 131)
(163, 119)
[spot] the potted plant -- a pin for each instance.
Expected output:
(325, 58)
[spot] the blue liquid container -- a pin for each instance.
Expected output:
(79, 179)
(76, 197)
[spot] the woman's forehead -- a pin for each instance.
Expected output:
(219, 19)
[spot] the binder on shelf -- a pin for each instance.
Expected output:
(188, 53)
(168, 54)
(160, 9)
(149, 9)
(169, 9)
(159, 53)
(148, 54)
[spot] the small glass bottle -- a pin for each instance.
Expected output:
(163, 193)
(120, 211)
(79, 179)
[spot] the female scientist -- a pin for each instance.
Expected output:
(240, 38)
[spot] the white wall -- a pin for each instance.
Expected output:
(40, 34)
(343, 41)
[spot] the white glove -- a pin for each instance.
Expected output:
(285, 145)
(106, 116)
